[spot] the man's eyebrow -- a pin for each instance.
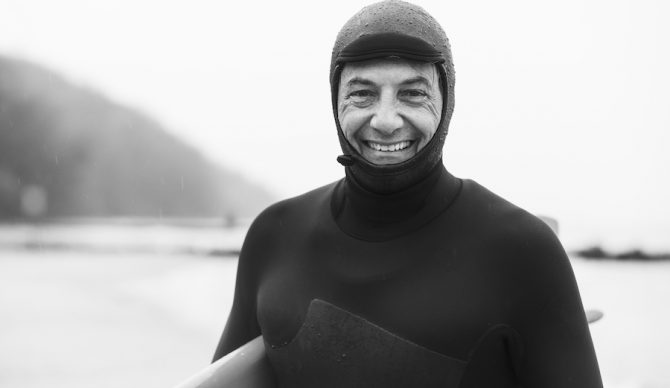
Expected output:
(418, 79)
(364, 81)
(360, 81)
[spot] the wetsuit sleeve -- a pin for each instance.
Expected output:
(557, 350)
(242, 325)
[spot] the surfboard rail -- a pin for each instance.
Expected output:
(245, 367)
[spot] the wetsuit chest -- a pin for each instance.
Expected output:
(479, 295)
(434, 286)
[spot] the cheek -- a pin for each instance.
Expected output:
(425, 121)
(351, 122)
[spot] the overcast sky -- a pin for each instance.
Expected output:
(562, 107)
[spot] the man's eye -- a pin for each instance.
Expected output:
(360, 94)
(413, 93)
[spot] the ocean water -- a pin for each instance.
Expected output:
(143, 304)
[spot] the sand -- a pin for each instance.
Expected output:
(92, 319)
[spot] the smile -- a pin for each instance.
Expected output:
(388, 147)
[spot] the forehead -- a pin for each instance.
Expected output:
(390, 70)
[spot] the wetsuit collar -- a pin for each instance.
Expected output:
(378, 217)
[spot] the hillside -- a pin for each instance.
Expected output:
(68, 151)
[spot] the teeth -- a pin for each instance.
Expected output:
(389, 147)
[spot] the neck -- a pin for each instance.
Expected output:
(376, 217)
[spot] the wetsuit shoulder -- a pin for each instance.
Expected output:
(522, 247)
(289, 216)
(300, 205)
(505, 226)
(535, 272)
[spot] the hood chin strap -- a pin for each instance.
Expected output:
(346, 160)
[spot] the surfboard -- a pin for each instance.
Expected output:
(245, 367)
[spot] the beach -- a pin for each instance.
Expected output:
(152, 317)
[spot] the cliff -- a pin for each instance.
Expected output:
(68, 151)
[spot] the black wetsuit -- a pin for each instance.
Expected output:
(402, 275)
(446, 265)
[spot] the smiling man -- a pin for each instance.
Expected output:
(389, 109)
(400, 274)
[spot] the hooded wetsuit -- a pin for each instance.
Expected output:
(404, 275)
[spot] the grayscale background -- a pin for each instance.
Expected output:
(139, 138)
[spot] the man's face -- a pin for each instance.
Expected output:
(389, 109)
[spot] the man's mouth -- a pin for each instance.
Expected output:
(399, 146)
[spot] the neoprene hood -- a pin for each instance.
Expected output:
(393, 28)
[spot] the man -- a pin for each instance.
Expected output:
(400, 274)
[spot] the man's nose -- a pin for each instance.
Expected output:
(386, 118)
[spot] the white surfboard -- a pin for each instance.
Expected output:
(245, 367)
